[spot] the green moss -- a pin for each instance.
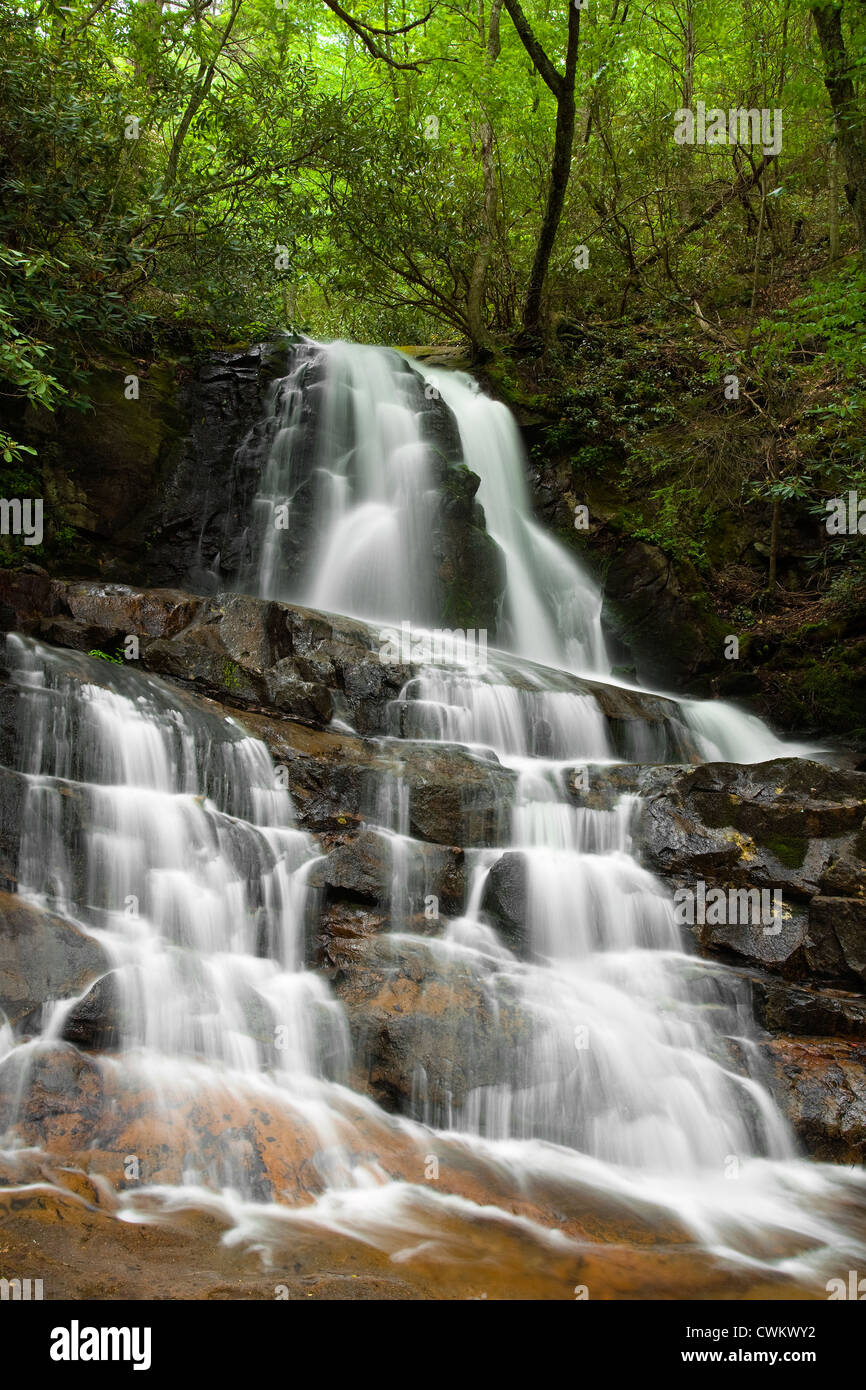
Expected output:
(231, 676)
(790, 850)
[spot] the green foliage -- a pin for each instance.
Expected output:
(262, 127)
(680, 523)
(104, 656)
(11, 451)
(826, 326)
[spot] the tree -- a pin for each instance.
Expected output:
(839, 70)
(562, 86)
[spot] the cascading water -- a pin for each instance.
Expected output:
(355, 442)
(619, 1065)
(553, 609)
(164, 834)
(368, 489)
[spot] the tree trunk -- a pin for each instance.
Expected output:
(850, 125)
(754, 304)
(559, 175)
(833, 190)
(562, 87)
(481, 264)
(774, 545)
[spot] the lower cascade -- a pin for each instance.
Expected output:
(505, 1050)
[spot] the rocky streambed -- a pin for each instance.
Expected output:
(312, 688)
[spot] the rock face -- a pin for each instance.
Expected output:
(504, 900)
(42, 957)
(648, 609)
(821, 1086)
(147, 484)
(430, 1023)
(658, 625)
(788, 825)
(160, 489)
(427, 1025)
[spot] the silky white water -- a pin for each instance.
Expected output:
(604, 1057)
(352, 461)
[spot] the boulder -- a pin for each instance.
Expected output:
(806, 1009)
(363, 868)
(43, 957)
(94, 1022)
(429, 1024)
(837, 936)
(820, 1084)
(504, 900)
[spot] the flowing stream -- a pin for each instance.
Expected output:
(632, 1070)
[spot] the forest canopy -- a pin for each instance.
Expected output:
(388, 172)
(642, 224)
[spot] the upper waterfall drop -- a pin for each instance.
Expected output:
(359, 443)
(348, 453)
(552, 607)
(367, 458)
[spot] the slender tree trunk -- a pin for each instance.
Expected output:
(559, 175)
(204, 79)
(562, 87)
(833, 189)
(481, 264)
(754, 304)
(850, 124)
(775, 518)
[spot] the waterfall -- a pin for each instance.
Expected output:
(163, 833)
(349, 457)
(614, 1062)
(553, 609)
(357, 437)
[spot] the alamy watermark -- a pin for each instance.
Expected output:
(736, 126)
(854, 1289)
(404, 647)
(717, 907)
(21, 1290)
(22, 516)
(846, 516)
(77, 1343)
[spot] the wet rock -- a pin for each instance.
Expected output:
(783, 1007)
(61, 1101)
(778, 944)
(292, 695)
(845, 874)
(364, 867)
(95, 1022)
(650, 610)
(24, 598)
(256, 653)
(455, 796)
(42, 957)
(504, 900)
(13, 795)
(837, 932)
(341, 927)
(470, 566)
(775, 824)
(118, 608)
(821, 1086)
(336, 779)
(428, 1024)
